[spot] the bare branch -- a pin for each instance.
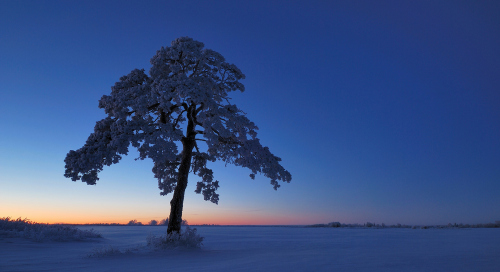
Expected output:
(153, 106)
(178, 118)
(196, 146)
(199, 109)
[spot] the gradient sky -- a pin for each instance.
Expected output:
(383, 111)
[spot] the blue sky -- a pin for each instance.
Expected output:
(385, 111)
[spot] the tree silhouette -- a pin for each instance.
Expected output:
(186, 83)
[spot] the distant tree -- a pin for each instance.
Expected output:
(163, 222)
(153, 223)
(186, 83)
(134, 223)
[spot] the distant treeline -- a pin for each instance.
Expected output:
(134, 222)
(164, 222)
(381, 226)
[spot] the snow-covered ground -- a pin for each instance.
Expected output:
(265, 249)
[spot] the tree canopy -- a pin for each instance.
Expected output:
(181, 103)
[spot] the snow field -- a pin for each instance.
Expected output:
(264, 249)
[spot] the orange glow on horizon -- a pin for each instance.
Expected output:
(53, 214)
(227, 221)
(212, 219)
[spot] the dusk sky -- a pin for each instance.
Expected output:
(382, 111)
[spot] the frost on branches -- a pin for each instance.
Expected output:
(181, 103)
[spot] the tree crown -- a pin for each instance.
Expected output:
(186, 83)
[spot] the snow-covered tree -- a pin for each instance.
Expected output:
(134, 223)
(163, 222)
(182, 102)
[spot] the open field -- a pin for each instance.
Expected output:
(264, 249)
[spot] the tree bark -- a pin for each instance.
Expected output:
(177, 202)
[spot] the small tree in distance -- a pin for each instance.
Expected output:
(153, 223)
(134, 223)
(163, 222)
(182, 102)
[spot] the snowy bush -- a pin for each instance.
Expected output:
(11, 227)
(165, 222)
(41, 232)
(187, 239)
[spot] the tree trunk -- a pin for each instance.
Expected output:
(177, 202)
